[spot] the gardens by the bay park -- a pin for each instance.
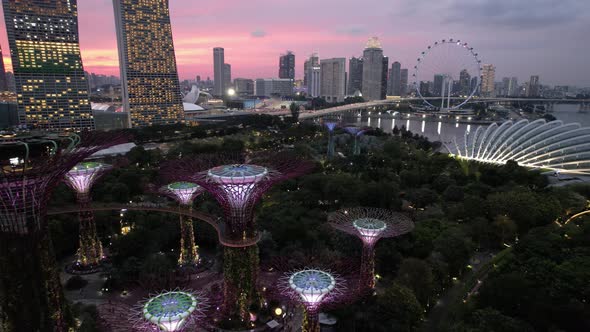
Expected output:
(266, 224)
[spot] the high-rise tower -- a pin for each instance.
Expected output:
(151, 90)
(355, 75)
(488, 74)
(218, 69)
(3, 81)
(373, 70)
(287, 66)
(395, 79)
(51, 88)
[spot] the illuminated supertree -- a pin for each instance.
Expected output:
(238, 185)
(30, 167)
(170, 311)
(185, 193)
(312, 288)
(356, 132)
(370, 225)
(330, 125)
(81, 178)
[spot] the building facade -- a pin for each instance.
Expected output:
(513, 90)
(333, 79)
(488, 75)
(384, 77)
(226, 77)
(244, 86)
(315, 81)
(287, 65)
(404, 82)
(534, 87)
(395, 79)
(372, 85)
(52, 91)
(313, 61)
(269, 87)
(149, 77)
(3, 80)
(355, 75)
(218, 66)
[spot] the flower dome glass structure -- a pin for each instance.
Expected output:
(537, 144)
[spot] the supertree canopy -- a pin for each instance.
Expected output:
(238, 185)
(370, 225)
(312, 288)
(185, 193)
(30, 167)
(178, 310)
(356, 132)
(81, 178)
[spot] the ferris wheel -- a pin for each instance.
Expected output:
(450, 70)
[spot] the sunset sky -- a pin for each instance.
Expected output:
(550, 38)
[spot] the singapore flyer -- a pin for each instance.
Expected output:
(447, 74)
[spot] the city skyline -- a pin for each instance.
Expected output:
(510, 36)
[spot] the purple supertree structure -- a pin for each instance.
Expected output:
(185, 193)
(30, 167)
(356, 132)
(169, 311)
(81, 178)
(312, 288)
(238, 185)
(330, 125)
(370, 225)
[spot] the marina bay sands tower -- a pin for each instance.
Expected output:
(151, 90)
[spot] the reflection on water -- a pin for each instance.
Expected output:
(445, 131)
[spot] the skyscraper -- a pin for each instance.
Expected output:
(3, 81)
(313, 61)
(333, 79)
(437, 86)
(287, 65)
(149, 78)
(51, 88)
(404, 82)
(218, 64)
(513, 87)
(384, 77)
(355, 75)
(372, 70)
(534, 90)
(465, 82)
(314, 77)
(226, 77)
(395, 78)
(505, 85)
(488, 75)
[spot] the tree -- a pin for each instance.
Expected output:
(400, 308)
(505, 228)
(294, 108)
(455, 247)
(416, 274)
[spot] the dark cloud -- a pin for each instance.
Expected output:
(258, 33)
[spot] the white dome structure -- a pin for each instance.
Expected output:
(539, 144)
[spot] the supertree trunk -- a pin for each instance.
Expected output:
(30, 280)
(367, 281)
(311, 320)
(188, 249)
(330, 145)
(90, 252)
(240, 272)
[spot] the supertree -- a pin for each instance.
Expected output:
(330, 125)
(356, 132)
(238, 185)
(177, 310)
(370, 225)
(31, 297)
(313, 288)
(185, 193)
(81, 178)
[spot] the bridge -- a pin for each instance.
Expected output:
(215, 222)
(577, 215)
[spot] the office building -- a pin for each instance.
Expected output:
(244, 86)
(52, 91)
(384, 77)
(355, 75)
(534, 88)
(513, 90)
(218, 66)
(488, 75)
(149, 78)
(287, 65)
(3, 81)
(437, 86)
(465, 82)
(395, 79)
(314, 89)
(373, 70)
(333, 79)
(226, 77)
(313, 61)
(404, 82)
(273, 87)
